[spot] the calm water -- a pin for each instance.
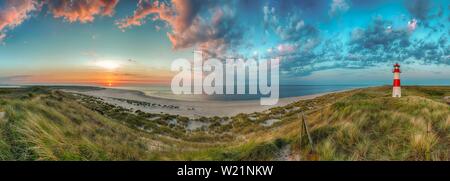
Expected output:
(9, 86)
(285, 91)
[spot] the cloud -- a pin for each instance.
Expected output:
(17, 11)
(14, 79)
(144, 9)
(412, 25)
(211, 26)
(286, 48)
(270, 18)
(378, 43)
(338, 7)
(379, 35)
(83, 11)
(419, 8)
(2, 37)
(431, 52)
(14, 14)
(188, 27)
(291, 29)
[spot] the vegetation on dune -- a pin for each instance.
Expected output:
(43, 125)
(371, 125)
(364, 124)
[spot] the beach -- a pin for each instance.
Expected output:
(137, 100)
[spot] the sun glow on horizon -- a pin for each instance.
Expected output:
(108, 64)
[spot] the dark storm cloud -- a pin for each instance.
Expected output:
(420, 9)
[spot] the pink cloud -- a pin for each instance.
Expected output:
(14, 14)
(188, 28)
(144, 9)
(412, 25)
(17, 11)
(83, 11)
(286, 48)
(180, 14)
(182, 17)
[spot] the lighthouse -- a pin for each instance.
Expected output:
(396, 90)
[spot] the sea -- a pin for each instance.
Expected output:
(284, 90)
(165, 92)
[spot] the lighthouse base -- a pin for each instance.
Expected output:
(396, 92)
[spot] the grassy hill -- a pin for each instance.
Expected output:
(371, 125)
(365, 124)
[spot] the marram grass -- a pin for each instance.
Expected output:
(364, 124)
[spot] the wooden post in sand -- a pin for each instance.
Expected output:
(301, 130)
(304, 128)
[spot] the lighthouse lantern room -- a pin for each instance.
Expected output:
(396, 90)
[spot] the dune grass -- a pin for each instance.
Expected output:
(363, 124)
(48, 126)
(371, 125)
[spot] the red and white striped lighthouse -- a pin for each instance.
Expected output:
(396, 90)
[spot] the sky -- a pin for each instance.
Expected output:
(126, 42)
